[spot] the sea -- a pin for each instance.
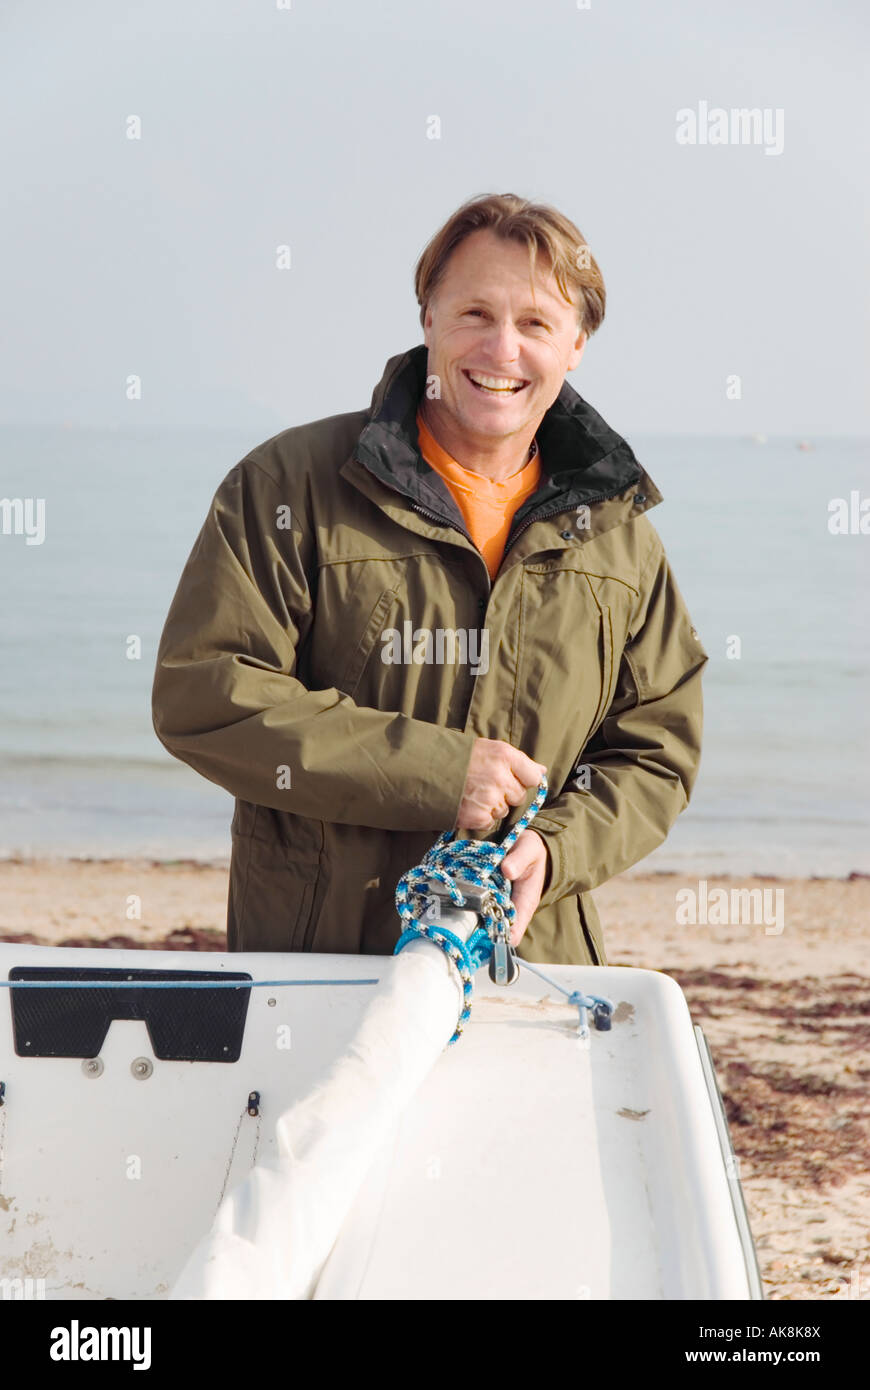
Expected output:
(778, 594)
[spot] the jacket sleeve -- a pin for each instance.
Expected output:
(643, 759)
(226, 699)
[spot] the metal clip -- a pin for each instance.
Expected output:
(503, 968)
(254, 1103)
(474, 896)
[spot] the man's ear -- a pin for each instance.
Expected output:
(577, 350)
(427, 326)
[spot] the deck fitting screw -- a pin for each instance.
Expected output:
(92, 1066)
(142, 1067)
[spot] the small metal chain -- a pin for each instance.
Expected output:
(233, 1152)
(256, 1142)
(230, 1161)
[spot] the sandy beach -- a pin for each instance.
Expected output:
(786, 1012)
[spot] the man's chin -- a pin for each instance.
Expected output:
(497, 424)
(493, 417)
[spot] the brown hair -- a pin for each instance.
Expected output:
(536, 225)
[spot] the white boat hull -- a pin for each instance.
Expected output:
(529, 1164)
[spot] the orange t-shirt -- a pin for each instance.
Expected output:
(487, 507)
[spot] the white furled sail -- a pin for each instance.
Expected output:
(274, 1232)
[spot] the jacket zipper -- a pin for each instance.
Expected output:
(442, 520)
(545, 516)
(445, 521)
(540, 516)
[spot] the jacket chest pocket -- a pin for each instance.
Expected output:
(377, 621)
(605, 649)
(568, 652)
(364, 637)
(353, 606)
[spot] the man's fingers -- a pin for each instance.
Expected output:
(528, 851)
(520, 859)
(524, 768)
(524, 896)
(525, 868)
(516, 792)
(499, 776)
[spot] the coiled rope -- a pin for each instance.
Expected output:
(476, 862)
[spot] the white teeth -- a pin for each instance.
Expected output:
(496, 383)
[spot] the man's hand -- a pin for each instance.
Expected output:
(526, 866)
(498, 777)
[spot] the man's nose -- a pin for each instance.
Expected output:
(503, 343)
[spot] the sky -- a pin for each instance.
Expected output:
(736, 278)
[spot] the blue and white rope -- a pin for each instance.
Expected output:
(477, 862)
(602, 1007)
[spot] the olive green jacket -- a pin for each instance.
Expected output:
(294, 671)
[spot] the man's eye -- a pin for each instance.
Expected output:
(538, 323)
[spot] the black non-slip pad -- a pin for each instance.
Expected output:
(184, 1025)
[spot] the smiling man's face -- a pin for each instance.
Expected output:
(499, 350)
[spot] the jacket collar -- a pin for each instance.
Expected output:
(583, 459)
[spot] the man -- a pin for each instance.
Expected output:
(394, 620)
